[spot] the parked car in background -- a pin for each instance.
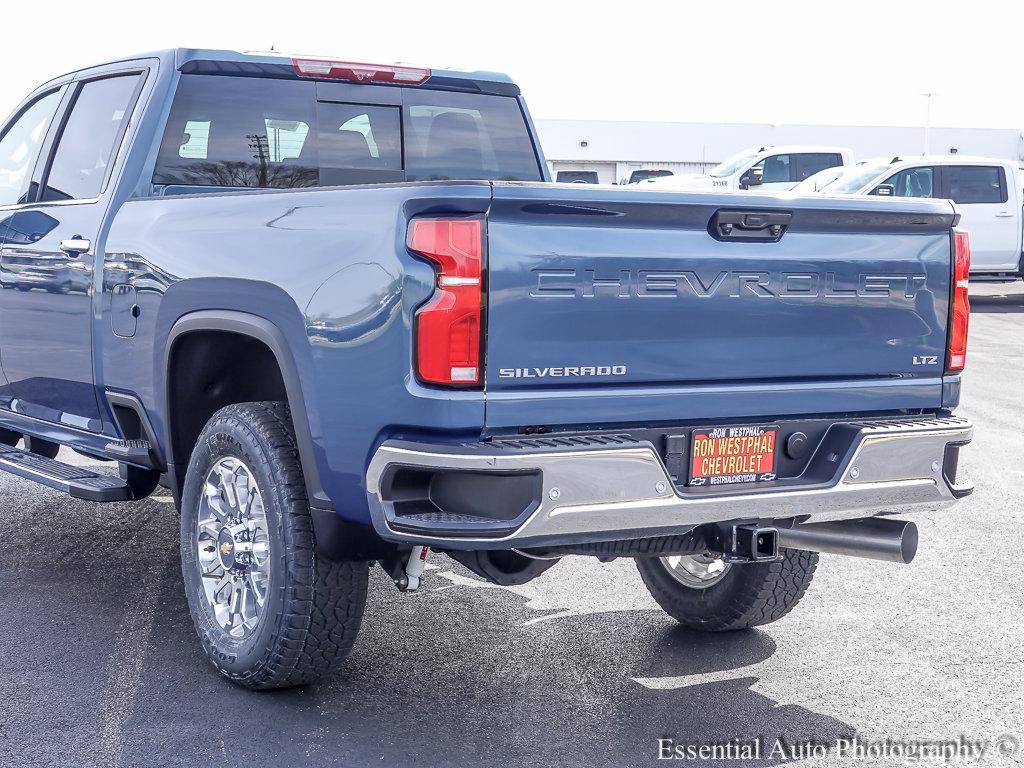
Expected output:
(987, 190)
(768, 168)
(577, 177)
(648, 173)
(819, 180)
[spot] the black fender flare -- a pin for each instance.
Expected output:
(261, 329)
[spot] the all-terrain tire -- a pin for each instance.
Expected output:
(314, 605)
(748, 595)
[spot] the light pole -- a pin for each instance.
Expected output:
(928, 122)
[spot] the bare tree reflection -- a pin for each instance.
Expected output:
(240, 173)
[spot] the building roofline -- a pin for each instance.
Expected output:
(670, 123)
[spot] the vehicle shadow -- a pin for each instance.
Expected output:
(454, 675)
(1009, 301)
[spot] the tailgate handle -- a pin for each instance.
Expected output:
(757, 226)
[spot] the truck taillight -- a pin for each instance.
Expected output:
(360, 73)
(956, 356)
(448, 326)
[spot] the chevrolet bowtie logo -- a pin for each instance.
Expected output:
(225, 548)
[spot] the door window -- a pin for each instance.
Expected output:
(967, 184)
(19, 147)
(913, 182)
(776, 169)
(89, 139)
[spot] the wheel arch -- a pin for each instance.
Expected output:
(242, 325)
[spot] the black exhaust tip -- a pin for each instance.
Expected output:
(876, 538)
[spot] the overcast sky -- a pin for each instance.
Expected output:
(776, 62)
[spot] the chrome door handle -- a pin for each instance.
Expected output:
(75, 246)
(1004, 215)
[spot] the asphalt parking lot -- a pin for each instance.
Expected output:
(100, 665)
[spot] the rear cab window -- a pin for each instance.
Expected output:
(270, 133)
(358, 144)
(577, 177)
(466, 136)
(638, 176)
(974, 184)
(809, 163)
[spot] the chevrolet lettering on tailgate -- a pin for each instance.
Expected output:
(661, 283)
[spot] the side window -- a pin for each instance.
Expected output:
(913, 182)
(89, 139)
(809, 163)
(19, 147)
(776, 168)
(240, 132)
(974, 184)
(359, 144)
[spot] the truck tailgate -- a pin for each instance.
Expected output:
(609, 305)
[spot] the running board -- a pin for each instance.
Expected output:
(78, 482)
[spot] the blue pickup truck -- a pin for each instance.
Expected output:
(342, 313)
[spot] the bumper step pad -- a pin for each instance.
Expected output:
(132, 451)
(78, 482)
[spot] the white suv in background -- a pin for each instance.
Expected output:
(768, 168)
(987, 190)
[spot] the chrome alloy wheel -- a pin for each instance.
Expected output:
(696, 571)
(233, 547)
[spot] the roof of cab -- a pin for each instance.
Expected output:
(948, 160)
(891, 163)
(279, 65)
(274, 64)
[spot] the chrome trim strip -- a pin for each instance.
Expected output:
(625, 492)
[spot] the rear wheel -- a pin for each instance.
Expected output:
(270, 611)
(706, 593)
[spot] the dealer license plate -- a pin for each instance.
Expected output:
(739, 454)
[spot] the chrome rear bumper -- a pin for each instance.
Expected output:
(595, 491)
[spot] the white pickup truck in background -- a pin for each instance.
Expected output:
(987, 190)
(768, 168)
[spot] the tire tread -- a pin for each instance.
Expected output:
(763, 593)
(324, 600)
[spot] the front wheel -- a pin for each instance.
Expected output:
(706, 593)
(270, 611)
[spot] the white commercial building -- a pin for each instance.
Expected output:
(617, 148)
